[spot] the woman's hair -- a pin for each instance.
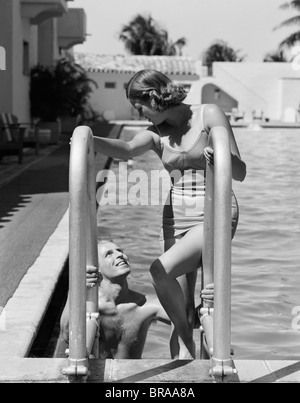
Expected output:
(155, 87)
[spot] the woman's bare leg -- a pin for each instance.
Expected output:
(174, 342)
(188, 284)
(182, 258)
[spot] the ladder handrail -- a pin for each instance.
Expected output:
(83, 252)
(217, 253)
(84, 312)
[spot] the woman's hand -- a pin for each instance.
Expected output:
(209, 155)
(93, 277)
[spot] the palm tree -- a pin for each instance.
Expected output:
(143, 36)
(295, 37)
(176, 48)
(278, 56)
(220, 51)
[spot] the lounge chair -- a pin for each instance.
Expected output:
(258, 114)
(11, 137)
(237, 115)
(31, 131)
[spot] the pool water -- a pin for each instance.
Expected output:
(266, 252)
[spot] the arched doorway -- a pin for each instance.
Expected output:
(212, 94)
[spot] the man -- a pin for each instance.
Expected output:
(126, 315)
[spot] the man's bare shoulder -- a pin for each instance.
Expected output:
(133, 313)
(147, 306)
(135, 298)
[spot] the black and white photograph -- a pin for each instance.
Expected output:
(149, 194)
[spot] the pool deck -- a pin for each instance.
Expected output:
(23, 314)
(30, 370)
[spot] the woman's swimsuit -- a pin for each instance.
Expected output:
(184, 208)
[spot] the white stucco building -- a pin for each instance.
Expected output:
(112, 73)
(273, 88)
(32, 32)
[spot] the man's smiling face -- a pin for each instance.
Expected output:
(113, 261)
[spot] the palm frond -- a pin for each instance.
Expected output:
(181, 42)
(291, 4)
(144, 36)
(289, 22)
(290, 41)
(275, 56)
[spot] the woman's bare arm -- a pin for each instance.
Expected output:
(121, 149)
(214, 116)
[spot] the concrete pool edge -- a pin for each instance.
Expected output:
(47, 370)
(24, 312)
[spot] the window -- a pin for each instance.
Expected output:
(26, 63)
(187, 87)
(111, 85)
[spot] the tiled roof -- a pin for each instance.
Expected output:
(179, 65)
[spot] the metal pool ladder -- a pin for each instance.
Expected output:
(84, 312)
(84, 316)
(215, 318)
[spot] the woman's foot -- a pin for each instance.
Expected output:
(187, 352)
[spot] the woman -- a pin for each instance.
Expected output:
(179, 135)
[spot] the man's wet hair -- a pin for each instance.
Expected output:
(104, 242)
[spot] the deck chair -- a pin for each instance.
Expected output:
(11, 137)
(31, 131)
(258, 114)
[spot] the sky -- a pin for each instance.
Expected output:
(247, 25)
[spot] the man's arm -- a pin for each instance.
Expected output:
(208, 294)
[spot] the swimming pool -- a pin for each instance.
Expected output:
(266, 253)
